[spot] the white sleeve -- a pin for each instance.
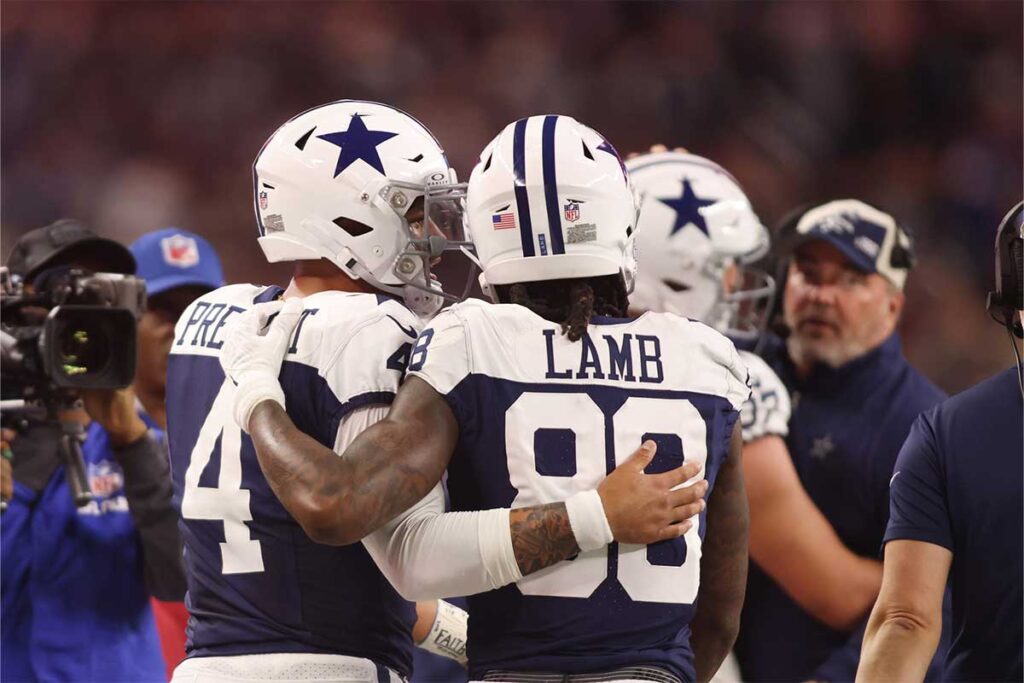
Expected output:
(366, 365)
(442, 356)
(428, 553)
(767, 411)
(356, 422)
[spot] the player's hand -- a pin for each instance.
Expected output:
(255, 345)
(115, 410)
(647, 508)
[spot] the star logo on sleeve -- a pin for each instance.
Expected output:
(687, 208)
(357, 143)
(823, 447)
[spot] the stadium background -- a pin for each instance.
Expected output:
(136, 116)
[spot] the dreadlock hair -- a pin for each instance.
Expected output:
(570, 302)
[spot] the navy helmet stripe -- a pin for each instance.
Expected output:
(551, 185)
(522, 197)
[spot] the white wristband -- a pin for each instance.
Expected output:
(447, 636)
(588, 521)
(250, 392)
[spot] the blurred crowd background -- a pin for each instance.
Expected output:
(136, 116)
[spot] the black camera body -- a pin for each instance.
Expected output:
(74, 330)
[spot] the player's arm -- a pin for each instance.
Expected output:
(906, 622)
(394, 463)
(905, 625)
(791, 540)
(723, 567)
(386, 470)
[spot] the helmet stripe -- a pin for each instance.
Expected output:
(522, 197)
(551, 185)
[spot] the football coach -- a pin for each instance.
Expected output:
(955, 511)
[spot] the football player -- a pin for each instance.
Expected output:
(697, 240)
(535, 400)
(343, 190)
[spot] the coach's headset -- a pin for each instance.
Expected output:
(1008, 296)
(901, 256)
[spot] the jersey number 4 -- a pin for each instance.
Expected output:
(228, 501)
(593, 435)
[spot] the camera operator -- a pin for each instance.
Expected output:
(76, 578)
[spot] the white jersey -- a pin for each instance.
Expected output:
(541, 418)
(766, 412)
(257, 584)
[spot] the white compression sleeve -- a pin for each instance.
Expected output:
(428, 553)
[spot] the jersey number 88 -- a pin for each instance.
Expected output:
(594, 433)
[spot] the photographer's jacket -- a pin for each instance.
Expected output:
(73, 581)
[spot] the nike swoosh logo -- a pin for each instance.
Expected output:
(411, 331)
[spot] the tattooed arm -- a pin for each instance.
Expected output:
(394, 464)
(541, 536)
(388, 468)
(723, 567)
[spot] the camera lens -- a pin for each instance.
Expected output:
(89, 347)
(82, 349)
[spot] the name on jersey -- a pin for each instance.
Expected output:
(206, 322)
(633, 358)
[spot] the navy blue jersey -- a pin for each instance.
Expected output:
(846, 429)
(957, 484)
(257, 583)
(74, 602)
(541, 418)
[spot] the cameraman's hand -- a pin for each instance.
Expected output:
(6, 475)
(644, 508)
(255, 344)
(115, 410)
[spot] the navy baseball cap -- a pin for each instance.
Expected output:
(63, 242)
(870, 239)
(173, 257)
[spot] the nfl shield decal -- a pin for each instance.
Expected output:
(572, 211)
(180, 251)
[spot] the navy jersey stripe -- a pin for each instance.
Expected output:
(551, 186)
(522, 197)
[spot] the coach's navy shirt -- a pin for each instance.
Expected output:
(957, 484)
(847, 426)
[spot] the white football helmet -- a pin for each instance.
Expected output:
(336, 181)
(549, 200)
(695, 223)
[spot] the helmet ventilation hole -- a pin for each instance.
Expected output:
(354, 228)
(301, 142)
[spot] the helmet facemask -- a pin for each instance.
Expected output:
(433, 221)
(742, 306)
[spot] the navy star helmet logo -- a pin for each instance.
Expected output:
(687, 207)
(357, 143)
